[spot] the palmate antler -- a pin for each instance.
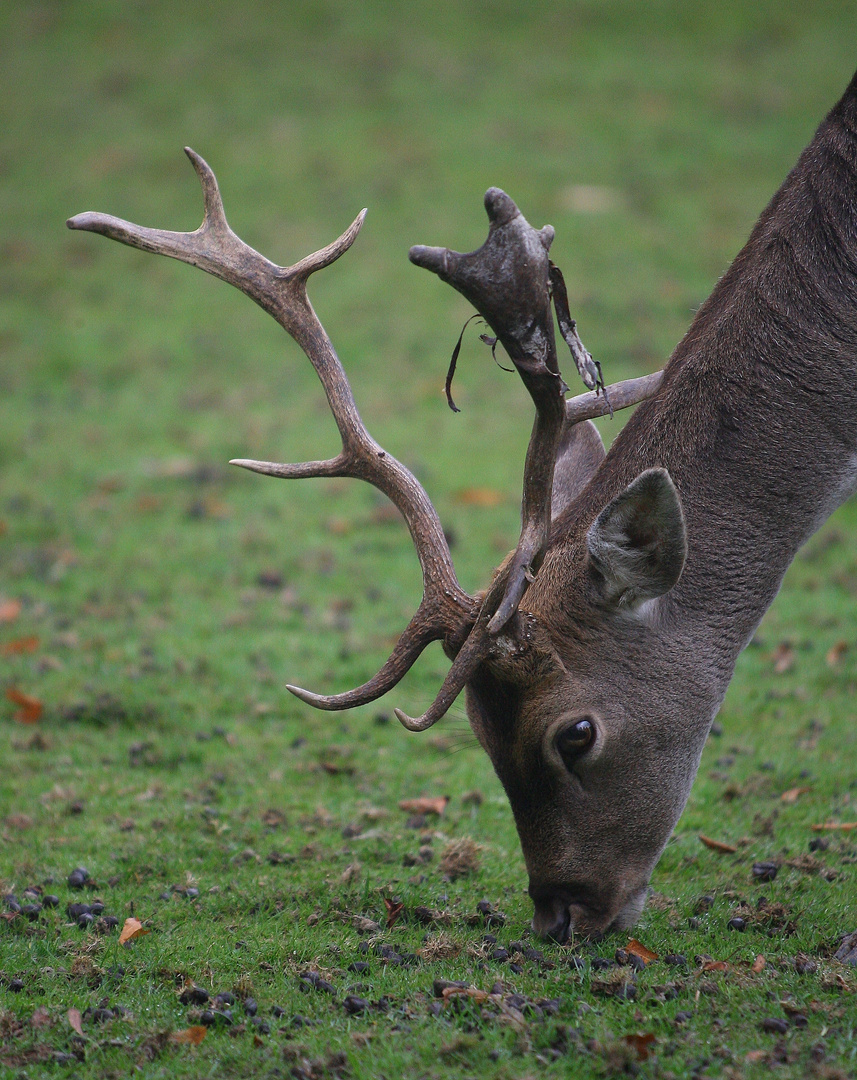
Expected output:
(507, 281)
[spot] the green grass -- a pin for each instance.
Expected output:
(173, 598)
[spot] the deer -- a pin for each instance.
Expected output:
(597, 657)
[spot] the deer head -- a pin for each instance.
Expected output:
(595, 660)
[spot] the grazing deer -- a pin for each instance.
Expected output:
(598, 656)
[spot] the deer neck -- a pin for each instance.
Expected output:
(756, 420)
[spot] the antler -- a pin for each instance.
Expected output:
(508, 280)
(445, 612)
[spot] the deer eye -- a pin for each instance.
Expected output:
(573, 740)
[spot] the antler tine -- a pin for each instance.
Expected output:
(446, 611)
(617, 396)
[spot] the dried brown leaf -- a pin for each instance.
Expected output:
(425, 805)
(20, 645)
(641, 1044)
(715, 965)
(75, 1020)
(9, 610)
(395, 909)
(718, 845)
(30, 708)
(468, 991)
(193, 1035)
(479, 496)
(783, 658)
(758, 965)
(836, 652)
(636, 948)
(132, 930)
(843, 826)
(793, 794)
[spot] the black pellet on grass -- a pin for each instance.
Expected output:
(683, 1017)
(78, 878)
(85, 920)
(775, 1025)
(602, 963)
(250, 1006)
(224, 998)
(360, 967)
(819, 843)
(31, 911)
(260, 1025)
(764, 871)
(194, 995)
(354, 1005)
(74, 911)
(675, 960)
(737, 924)
(50, 901)
(15, 985)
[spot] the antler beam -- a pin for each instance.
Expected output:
(445, 612)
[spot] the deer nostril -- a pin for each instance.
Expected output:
(551, 919)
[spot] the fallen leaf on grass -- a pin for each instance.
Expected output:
(758, 965)
(718, 845)
(20, 645)
(425, 805)
(132, 929)
(755, 1055)
(784, 658)
(479, 496)
(641, 1043)
(715, 965)
(836, 653)
(30, 708)
(793, 794)
(395, 910)
(75, 1020)
(8, 916)
(193, 1035)
(465, 991)
(845, 826)
(636, 948)
(9, 610)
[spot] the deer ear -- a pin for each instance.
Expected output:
(638, 543)
(580, 453)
